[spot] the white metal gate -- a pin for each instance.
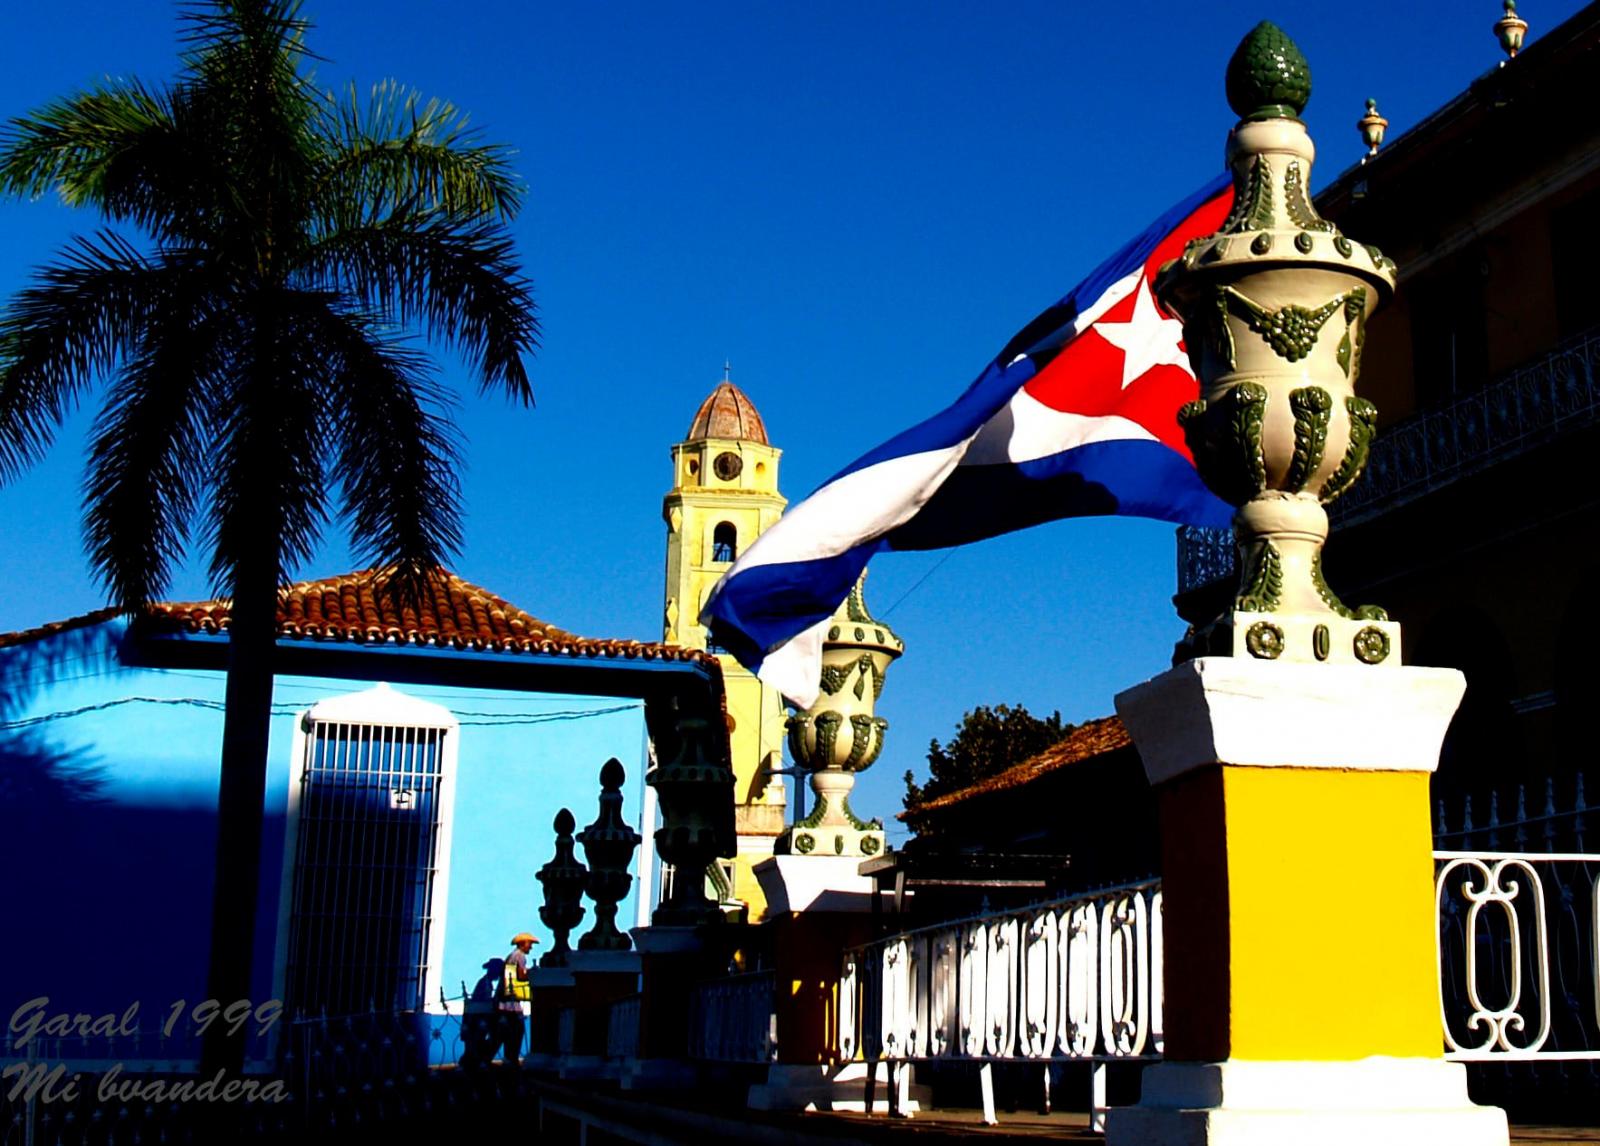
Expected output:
(369, 822)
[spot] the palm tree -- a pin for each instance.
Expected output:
(255, 338)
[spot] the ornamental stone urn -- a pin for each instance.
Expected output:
(562, 879)
(608, 846)
(841, 734)
(1511, 30)
(1372, 126)
(695, 790)
(1274, 309)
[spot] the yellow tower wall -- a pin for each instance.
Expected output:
(700, 501)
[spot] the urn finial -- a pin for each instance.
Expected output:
(841, 733)
(608, 845)
(695, 789)
(1274, 308)
(563, 879)
(1268, 77)
(1372, 126)
(1510, 30)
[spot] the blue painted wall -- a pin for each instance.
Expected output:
(108, 778)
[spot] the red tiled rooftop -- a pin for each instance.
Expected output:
(1096, 738)
(454, 613)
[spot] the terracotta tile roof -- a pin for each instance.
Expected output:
(455, 614)
(26, 636)
(1096, 738)
(727, 413)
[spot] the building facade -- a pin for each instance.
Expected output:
(724, 495)
(417, 759)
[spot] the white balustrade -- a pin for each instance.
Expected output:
(622, 1028)
(1080, 979)
(1519, 932)
(1074, 978)
(733, 1019)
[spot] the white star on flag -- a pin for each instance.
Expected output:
(1147, 340)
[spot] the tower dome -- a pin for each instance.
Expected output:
(727, 413)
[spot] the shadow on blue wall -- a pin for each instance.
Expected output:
(124, 888)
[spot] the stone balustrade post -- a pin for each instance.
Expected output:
(1291, 754)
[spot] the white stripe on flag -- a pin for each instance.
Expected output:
(794, 668)
(1027, 429)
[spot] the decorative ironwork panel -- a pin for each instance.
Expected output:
(1518, 936)
(1518, 412)
(1073, 978)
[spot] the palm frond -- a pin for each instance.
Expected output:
(401, 152)
(243, 71)
(458, 281)
(147, 451)
(116, 148)
(269, 449)
(80, 316)
(213, 29)
(396, 451)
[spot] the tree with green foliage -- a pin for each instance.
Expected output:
(253, 322)
(986, 743)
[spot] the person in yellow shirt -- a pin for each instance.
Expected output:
(513, 992)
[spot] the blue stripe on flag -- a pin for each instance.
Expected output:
(999, 381)
(766, 601)
(765, 605)
(1132, 477)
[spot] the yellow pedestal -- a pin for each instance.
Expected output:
(1301, 957)
(1298, 915)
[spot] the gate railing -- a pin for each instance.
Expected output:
(622, 1027)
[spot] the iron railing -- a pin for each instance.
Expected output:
(1517, 933)
(622, 1028)
(1522, 409)
(1079, 979)
(1075, 979)
(734, 1019)
(1554, 395)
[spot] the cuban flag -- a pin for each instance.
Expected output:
(1076, 416)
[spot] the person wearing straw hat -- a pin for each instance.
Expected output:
(513, 991)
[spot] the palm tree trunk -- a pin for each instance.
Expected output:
(246, 727)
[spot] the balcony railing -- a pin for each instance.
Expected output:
(734, 1019)
(1555, 395)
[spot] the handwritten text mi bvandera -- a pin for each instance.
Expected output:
(51, 1083)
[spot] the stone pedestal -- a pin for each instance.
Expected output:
(672, 960)
(1375, 1101)
(599, 979)
(550, 991)
(817, 906)
(1302, 990)
(814, 883)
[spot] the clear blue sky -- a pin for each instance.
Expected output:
(858, 204)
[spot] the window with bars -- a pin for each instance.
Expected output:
(369, 827)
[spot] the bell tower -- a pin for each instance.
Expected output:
(724, 495)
